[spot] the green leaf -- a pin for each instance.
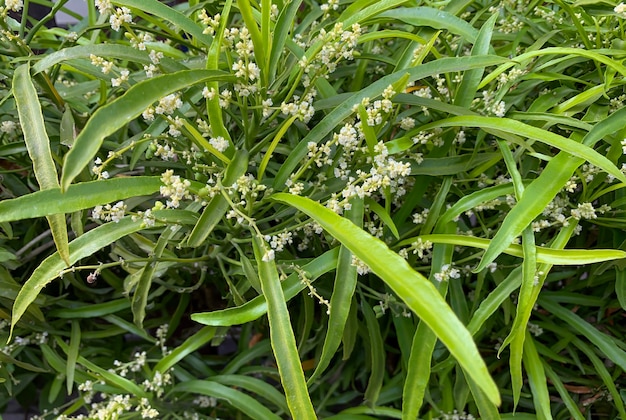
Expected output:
(113, 116)
(162, 11)
(417, 292)
(605, 343)
(258, 386)
(72, 355)
(435, 18)
(377, 356)
(544, 255)
(535, 199)
(508, 125)
(77, 197)
(237, 399)
(620, 287)
(190, 345)
(147, 273)
(340, 301)
(79, 248)
(38, 145)
(215, 210)
(282, 337)
(471, 78)
(257, 307)
(537, 379)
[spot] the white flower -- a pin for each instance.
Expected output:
(119, 80)
(14, 5)
(220, 143)
(620, 9)
(119, 17)
(447, 273)
(168, 104)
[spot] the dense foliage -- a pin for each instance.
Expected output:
(292, 209)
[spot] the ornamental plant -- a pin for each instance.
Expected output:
(300, 209)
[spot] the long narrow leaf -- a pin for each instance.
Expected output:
(418, 293)
(81, 247)
(257, 307)
(237, 399)
(38, 145)
(282, 338)
(508, 125)
(341, 299)
(111, 117)
(77, 197)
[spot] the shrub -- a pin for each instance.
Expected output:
(344, 210)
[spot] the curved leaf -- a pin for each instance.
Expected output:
(77, 197)
(257, 307)
(38, 145)
(282, 338)
(237, 399)
(83, 246)
(417, 292)
(113, 116)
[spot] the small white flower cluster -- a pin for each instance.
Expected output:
(139, 40)
(212, 23)
(620, 10)
(407, 123)
(586, 211)
(219, 143)
(328, 6)
(104, 6)
(123, 78)
(447, 272)
(534, 329)
(204, 401)
(425, 137)
(336, 45)
(246, 70)
(97, 169)
(224, 97)
(295, 188)
(302, 108)
(158, 383)
(361, 268)
(420, 218)
(161, 335)
(174, 188)
(155, 58)
(147, 218)
(278, 242)
(135, 365)
(548, 15)
(164, 151)
(509, 77)
(8, 127)
(111, 408)
(105, 66)
(420, 247)
(455, 415)
(109, 213)
(167, 105)
(510, 25)
(12, 5)
(491, 106)
(120, 16)
(386, 172)
(87, 389)
(379, 108)
(304, 279)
